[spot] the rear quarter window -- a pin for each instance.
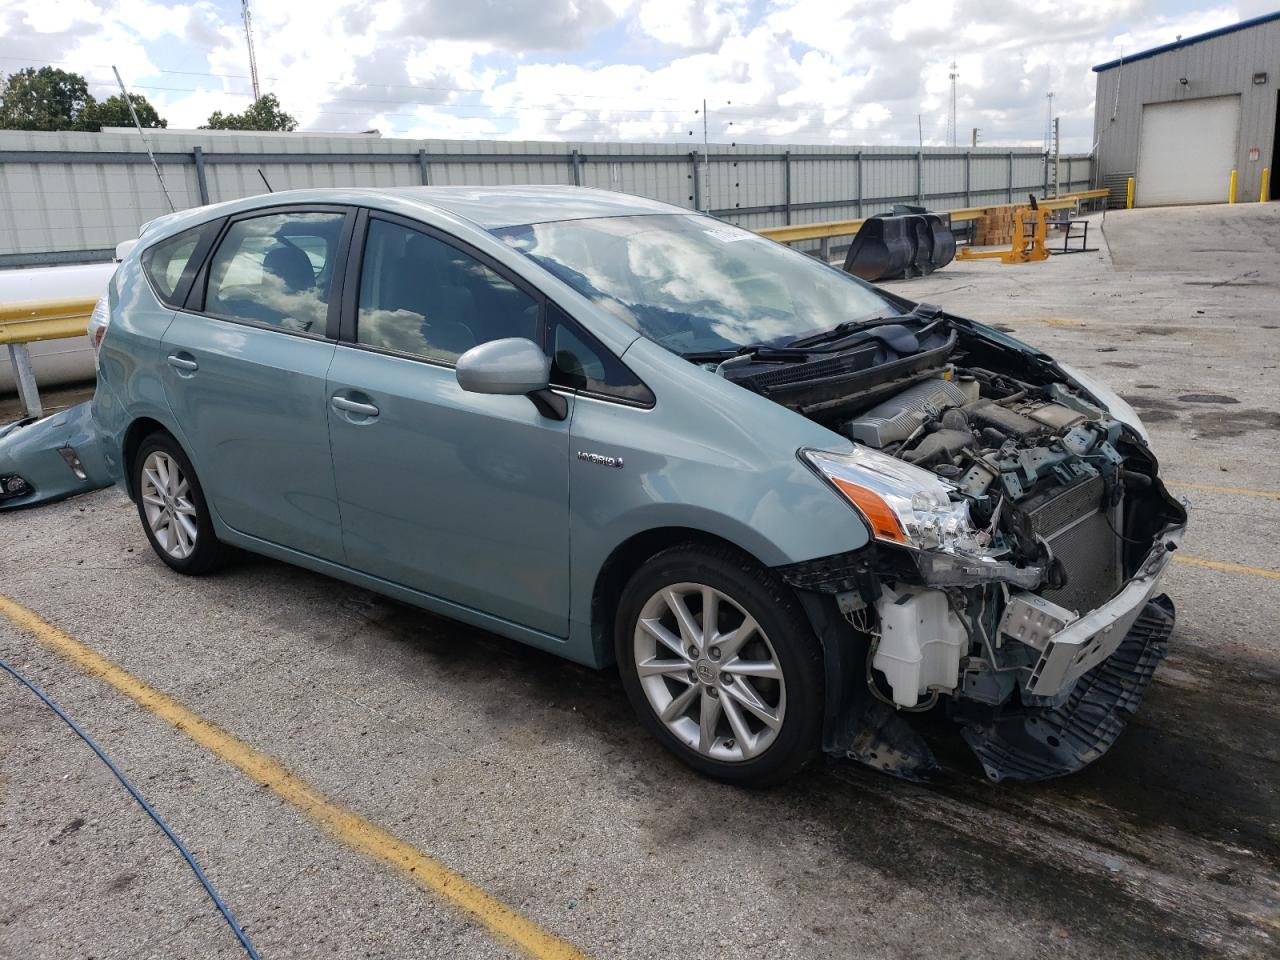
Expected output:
(171, 264)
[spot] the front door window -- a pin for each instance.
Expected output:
(422, 297)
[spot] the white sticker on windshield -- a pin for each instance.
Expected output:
(729, 234)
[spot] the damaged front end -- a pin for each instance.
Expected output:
(1020, 534)
(52, 458)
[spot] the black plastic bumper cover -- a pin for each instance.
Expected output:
(1041, 744)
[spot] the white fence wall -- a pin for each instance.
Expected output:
(70, 197)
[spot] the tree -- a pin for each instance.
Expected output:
(263, 114)
(45, 99)
(114, 112)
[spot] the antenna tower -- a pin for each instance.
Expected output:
(248, 36)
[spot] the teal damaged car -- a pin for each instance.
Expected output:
(791, 509)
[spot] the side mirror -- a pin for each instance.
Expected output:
(509, 367)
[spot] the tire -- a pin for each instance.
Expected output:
(172, 507)
(764, 700)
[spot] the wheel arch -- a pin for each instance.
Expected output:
(625, 560)
(844, 649)
(137, 432)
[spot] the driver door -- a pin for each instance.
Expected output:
(459, 495)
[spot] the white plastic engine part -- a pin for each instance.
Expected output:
(921, 642)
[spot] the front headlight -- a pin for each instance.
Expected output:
(901, 503)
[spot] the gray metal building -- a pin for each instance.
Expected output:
(1180, 117)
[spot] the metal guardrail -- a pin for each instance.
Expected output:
(842, 228)
(32, 321)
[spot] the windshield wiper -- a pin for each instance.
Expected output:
(921, 311)
(756, 351)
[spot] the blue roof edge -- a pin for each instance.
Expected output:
(1178, 44)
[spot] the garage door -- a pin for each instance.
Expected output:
(1186, 151)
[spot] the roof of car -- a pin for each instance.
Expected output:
(487, 208)
(492, 207)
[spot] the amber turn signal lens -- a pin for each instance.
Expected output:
(883, 521)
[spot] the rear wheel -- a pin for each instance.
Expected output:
(721, 664)
(173, 509)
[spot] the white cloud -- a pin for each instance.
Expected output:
(805, 71)
(689, 24)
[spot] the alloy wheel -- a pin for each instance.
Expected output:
(166, 500)
(709, 672)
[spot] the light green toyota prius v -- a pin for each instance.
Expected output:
(793, 510)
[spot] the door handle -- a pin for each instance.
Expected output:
(183, 363)
(355, 406)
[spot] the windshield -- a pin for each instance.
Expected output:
(694, 284)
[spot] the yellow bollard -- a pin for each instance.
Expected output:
(1231, 190)
(1265, 193)
(1128, 195)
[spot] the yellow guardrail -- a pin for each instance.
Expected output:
(844, 228)
(32, 320)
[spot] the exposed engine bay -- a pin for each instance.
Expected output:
(1019, 529)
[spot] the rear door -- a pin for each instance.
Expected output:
(244, 366)
(459, 495)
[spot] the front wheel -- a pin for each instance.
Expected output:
(721, 664)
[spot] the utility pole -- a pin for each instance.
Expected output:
(706, 169)
(253, 60)
(951, 119)
(920, 128)
(1056, 155)
(1048, 122)
(974, 141)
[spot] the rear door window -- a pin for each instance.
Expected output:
(277, 270)
(171, 264)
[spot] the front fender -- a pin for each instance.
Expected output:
(709, 457)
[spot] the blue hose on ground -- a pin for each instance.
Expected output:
(186, 854)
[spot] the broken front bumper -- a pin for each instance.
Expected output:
(51, 459)
(1038, 744)
(1106, 660)
(1079, 647)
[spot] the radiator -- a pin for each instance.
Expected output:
(1073, 522)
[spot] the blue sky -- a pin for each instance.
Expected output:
(777, 71)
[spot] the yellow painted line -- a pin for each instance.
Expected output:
(1213, 488)
(340, 823)
(1228, 567)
